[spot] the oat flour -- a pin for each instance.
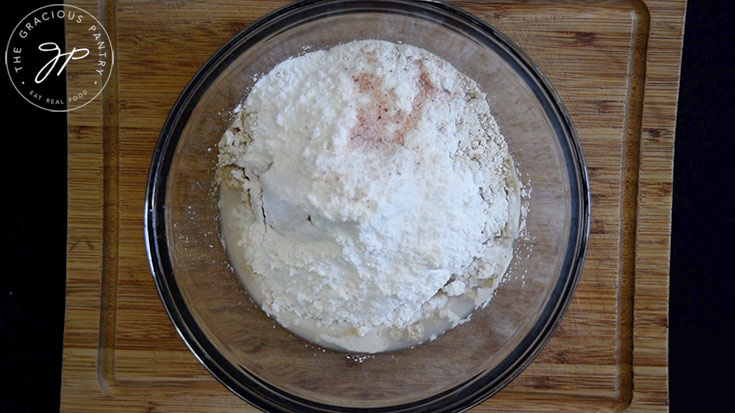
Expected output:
(368, 199)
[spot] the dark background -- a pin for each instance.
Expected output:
(33, 222)
(32, 236)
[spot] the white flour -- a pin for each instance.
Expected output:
(368, 200)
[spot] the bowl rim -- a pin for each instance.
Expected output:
(262, 394)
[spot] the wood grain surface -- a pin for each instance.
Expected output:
(615, 64)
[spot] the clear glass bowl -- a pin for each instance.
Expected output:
(276, 371)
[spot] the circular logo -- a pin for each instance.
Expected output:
(37, 57)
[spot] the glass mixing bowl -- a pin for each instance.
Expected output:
(277, 371)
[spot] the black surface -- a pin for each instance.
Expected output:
(33, 216)
(701, 356)
(33, 223)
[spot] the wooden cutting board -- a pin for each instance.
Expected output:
(615, 64)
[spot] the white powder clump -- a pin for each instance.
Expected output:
(368, 199)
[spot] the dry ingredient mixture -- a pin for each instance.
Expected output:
(368, 200)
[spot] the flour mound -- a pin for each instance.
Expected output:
(374, 186)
